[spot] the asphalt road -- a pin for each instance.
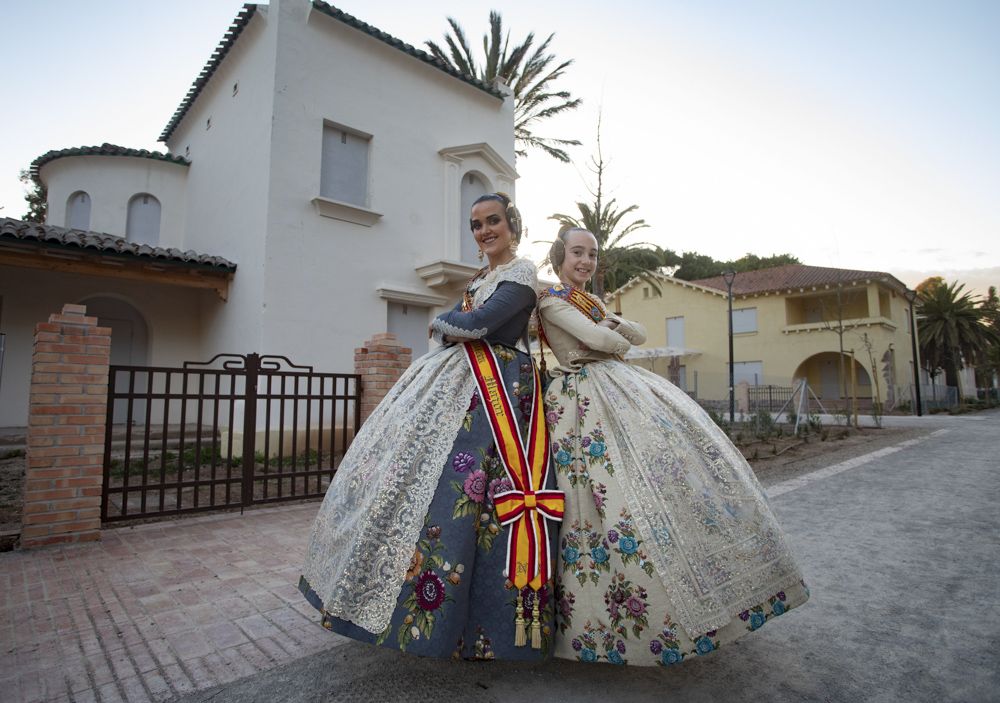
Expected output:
(901, 550)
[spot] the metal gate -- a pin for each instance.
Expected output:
(227, 433)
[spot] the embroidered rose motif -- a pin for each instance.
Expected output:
(498, 485)
(570, 555)
(577, 645)
(599, 555)
(596, 448)
(703, 645)
(599, 500)
(671, 656)
(525, 405)
(588, 655)
(416, 561)
(757, 619)
(475, 486)
(612, 536)
(656, 646)
(433, 532)
(778, 607)
(429, 590)
(563, 458)
(635, 606)
(628, 545)
(462, 462)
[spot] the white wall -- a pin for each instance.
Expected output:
(111, 181)
(321, 274)
(228, 181)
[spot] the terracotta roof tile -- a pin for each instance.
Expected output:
(60, 237)
(795, 276)
(103, 150)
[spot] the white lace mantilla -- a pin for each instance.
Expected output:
(703, 516)
(364, 535)
(518, 270)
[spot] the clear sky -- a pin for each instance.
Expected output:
(860, 134)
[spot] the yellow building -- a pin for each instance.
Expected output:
(789, 322)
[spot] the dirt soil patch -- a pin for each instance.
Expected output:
(11, 498)
(777, 460)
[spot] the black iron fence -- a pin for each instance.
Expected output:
(770, 398)
(230, 432)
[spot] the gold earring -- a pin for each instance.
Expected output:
(513, 246)
(480, 254)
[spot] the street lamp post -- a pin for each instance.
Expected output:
(911, 296)
(728, 277)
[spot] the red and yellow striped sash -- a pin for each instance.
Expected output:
(528, 507)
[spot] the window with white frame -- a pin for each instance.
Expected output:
(750, 371)
(744, 320)
(344, 169)
(78, 211)
(142, 225)
(675, 332)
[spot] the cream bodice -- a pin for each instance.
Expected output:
(575, 338)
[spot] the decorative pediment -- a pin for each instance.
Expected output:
(458, 154)
(443, 273)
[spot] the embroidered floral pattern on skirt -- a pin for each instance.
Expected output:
(455, 601)
(611, 605)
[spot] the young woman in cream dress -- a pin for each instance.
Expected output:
(668, 548)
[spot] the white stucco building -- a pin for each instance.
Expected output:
(314, 191)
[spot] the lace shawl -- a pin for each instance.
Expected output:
(364, 535)
(703, 516)
(519, 270)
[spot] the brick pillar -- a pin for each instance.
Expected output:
(380, 363)
(68, 408)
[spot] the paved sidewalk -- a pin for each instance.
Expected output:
(157, 610)
(900, 547)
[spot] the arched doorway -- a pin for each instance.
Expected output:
(822, 371)
(129, 344)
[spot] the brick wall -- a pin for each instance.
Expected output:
(68, 406)
(380, 363)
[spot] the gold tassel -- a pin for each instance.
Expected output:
(536, 625)
(520, 628)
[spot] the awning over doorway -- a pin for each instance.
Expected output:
(38, 246)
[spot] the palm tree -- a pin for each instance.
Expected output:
(527, 72)
(953, 329)
(618, 262)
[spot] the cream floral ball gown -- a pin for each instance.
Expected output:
(668, 548)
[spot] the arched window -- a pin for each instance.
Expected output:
(78, 211)
(473, 185)
(143, 223)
